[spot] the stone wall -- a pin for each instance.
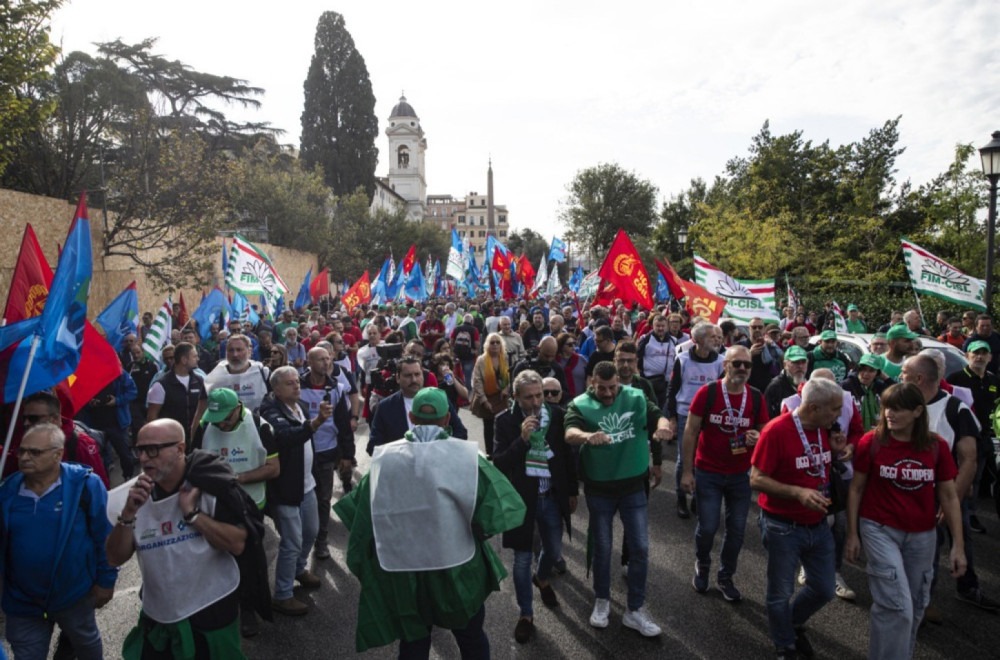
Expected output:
(50, 218)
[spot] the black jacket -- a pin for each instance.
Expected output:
(780, 388)
(181, 404)
(509, 455)
(291, 436)
(389, 423)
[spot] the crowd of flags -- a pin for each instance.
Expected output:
(46, 340)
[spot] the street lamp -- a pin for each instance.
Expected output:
(682, 239)
(991, 168)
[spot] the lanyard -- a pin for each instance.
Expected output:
(729, 406)
(815, 459)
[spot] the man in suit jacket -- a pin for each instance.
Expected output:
(391, 419)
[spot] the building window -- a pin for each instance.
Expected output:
(503, 234)
(482, 234)
(461, 219)
(503, 218)
(482, 221)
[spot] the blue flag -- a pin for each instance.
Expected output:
(225, 259)
(279, 306)
(416, 287)
(210, 311)
(558, 250)
(381, 284)
(60, 325)
(120, 317)
(395, 285)
(576, 280)
(304, 298)
(662, 290)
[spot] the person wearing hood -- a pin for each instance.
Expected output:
(827, 356)
(437, 488)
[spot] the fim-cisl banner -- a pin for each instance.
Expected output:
(745, 299)
(932, 276)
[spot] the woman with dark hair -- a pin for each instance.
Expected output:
(900, 468)
(574, 364)
(448, 379)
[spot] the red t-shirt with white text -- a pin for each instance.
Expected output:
(780, 455)
(722, 444)
(900, 488)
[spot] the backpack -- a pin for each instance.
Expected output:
(463, 344)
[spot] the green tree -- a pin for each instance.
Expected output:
(169, 206)
(604, 199)
(529, 242)
(270, 188)
(25, 57)
(339, 127)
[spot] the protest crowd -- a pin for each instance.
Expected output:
(222, 420)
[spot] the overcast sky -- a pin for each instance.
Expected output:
(668, 90)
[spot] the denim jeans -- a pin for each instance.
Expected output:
(679, 468)
(900, 569)
(712, 489)
(472, 641)
(787, 545)
(550, 531)
(297, 526)
(634, 512)
(29, 637)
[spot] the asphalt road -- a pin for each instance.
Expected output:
(694, 625)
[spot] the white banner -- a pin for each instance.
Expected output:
(935, 277)
(745, 299)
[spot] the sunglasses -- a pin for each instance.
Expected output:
(756, 327)
(552, 392)
(744, 364)
(152, 451)
(34, 419)
(34, 453)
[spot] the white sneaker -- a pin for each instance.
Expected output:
(639, 620)
(802, 576)
(844, 591)
(599, 617)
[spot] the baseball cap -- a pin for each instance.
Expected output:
(853, 308)
(221, 402)
(871, 360)
(900, 331)
(979, 345)
(430, 396)
(827, 335)
(795, 353)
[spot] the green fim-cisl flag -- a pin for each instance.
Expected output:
(932, 276)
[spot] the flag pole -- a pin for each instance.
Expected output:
(919, 310)
(17, 403)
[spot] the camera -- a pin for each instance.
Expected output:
(383, 377)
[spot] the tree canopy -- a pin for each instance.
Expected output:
(339, 126)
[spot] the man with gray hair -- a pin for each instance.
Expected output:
(791, 470)
(954, 422)
(54, 524)
(692, 369)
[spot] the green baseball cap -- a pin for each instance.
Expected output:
(221, 402)
(876, 362)
(900, 331)
(430, 396)
(853, 308)
(979, 345)
(827, 335)
(795, 354)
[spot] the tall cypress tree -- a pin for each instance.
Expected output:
(339, 126)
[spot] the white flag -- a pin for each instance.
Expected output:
(745, 299)
(935, 277)
(541, 275)
(159, 334)
(840, 321)
(251, 272)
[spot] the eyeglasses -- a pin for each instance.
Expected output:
(152, 451)
(34, 419)
(35, 453)
(552, 392)
(744, 364)
(756, 327)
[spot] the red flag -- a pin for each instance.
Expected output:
(624, 270)
(182, 316)
(525, 273)
(700, 302)
(360, 292)
(26, 298)
(320, 285)
(674, 281)
(501, 264)
(410, 259)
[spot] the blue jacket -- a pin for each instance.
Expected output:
(83, 529)
(389, 422)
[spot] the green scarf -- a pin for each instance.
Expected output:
(536, 461)
(869, 408)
